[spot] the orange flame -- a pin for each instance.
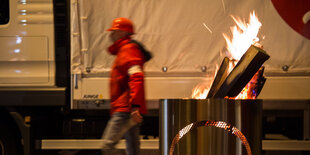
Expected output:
(244, 35)
(201, 90)
(248, 92)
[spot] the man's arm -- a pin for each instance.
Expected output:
(136, 86)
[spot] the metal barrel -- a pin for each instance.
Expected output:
(245, 115)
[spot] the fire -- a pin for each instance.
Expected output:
(201, 90)
(243, 36)
(250, 90)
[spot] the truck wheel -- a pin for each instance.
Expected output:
(9, 144)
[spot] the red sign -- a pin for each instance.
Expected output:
(296, 13)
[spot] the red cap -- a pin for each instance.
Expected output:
(122, 24)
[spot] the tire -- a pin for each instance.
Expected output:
(9, 143)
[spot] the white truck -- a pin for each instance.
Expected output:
(54, 68)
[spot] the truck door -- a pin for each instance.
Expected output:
(27, 43)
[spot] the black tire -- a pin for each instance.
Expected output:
(9, 143)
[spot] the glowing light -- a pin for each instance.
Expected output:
(23, 20)
(18, 71)
(23, 12)
(250, 91)
(200, 91)
(223, 6)
(18, 40)
(244, 35)
(17, 51)
(23, 1)
(204, 24)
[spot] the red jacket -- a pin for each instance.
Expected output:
(126, 91)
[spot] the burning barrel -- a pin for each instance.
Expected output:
(216, 125)
(210, 127)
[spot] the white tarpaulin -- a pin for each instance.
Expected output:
(184, 35)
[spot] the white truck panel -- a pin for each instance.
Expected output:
(185, 36)
(284, 88)
(155, 87)
(27, 45)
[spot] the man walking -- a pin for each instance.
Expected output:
(126, 88)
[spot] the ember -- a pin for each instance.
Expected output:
(253, 88)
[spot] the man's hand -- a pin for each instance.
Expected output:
(135, 115)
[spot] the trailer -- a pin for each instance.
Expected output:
(54, 68)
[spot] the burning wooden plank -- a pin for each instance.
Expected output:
(219, 78)
(253, 88)
(259, 81)
(242, 73)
